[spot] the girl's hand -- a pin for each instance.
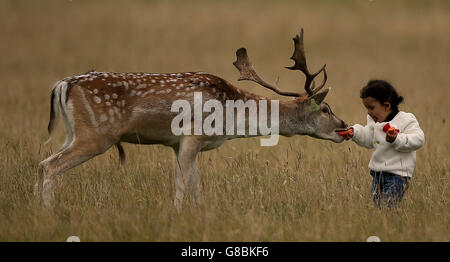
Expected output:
(346, 134)
(391, 135)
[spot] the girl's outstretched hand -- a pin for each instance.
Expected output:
(346, 134)
(391, 134)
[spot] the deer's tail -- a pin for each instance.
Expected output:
(57, 99)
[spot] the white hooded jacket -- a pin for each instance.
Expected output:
(398, 157)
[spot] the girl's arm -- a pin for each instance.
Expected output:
(363, 135)
(411, 139)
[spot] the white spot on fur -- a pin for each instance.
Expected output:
(114, 96)
(97, 99)
(105, 129)
(103, 118)
(117, 111)
(146, 93)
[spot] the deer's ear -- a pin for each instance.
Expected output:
(319, 97)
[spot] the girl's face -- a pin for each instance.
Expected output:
(376, 109)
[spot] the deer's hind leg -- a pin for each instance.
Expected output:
(73, 155)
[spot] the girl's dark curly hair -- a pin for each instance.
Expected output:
(383, 92)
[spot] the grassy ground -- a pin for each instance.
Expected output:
(301, 190)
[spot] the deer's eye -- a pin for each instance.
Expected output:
(325, 110)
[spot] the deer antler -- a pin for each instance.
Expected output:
(248, 73)
(300, 64)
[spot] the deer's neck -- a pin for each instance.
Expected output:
(292, 119)
(282, 117)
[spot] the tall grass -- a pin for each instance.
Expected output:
(301, 190)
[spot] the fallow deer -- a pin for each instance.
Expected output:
(103, 109)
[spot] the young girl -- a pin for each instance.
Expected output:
(394, 135)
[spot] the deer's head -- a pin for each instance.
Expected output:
(307, 114)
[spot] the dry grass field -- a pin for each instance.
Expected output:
(303, 189)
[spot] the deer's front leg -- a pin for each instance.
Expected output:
(187, 174)
(195, 185)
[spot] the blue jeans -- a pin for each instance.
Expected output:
(388, 189)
